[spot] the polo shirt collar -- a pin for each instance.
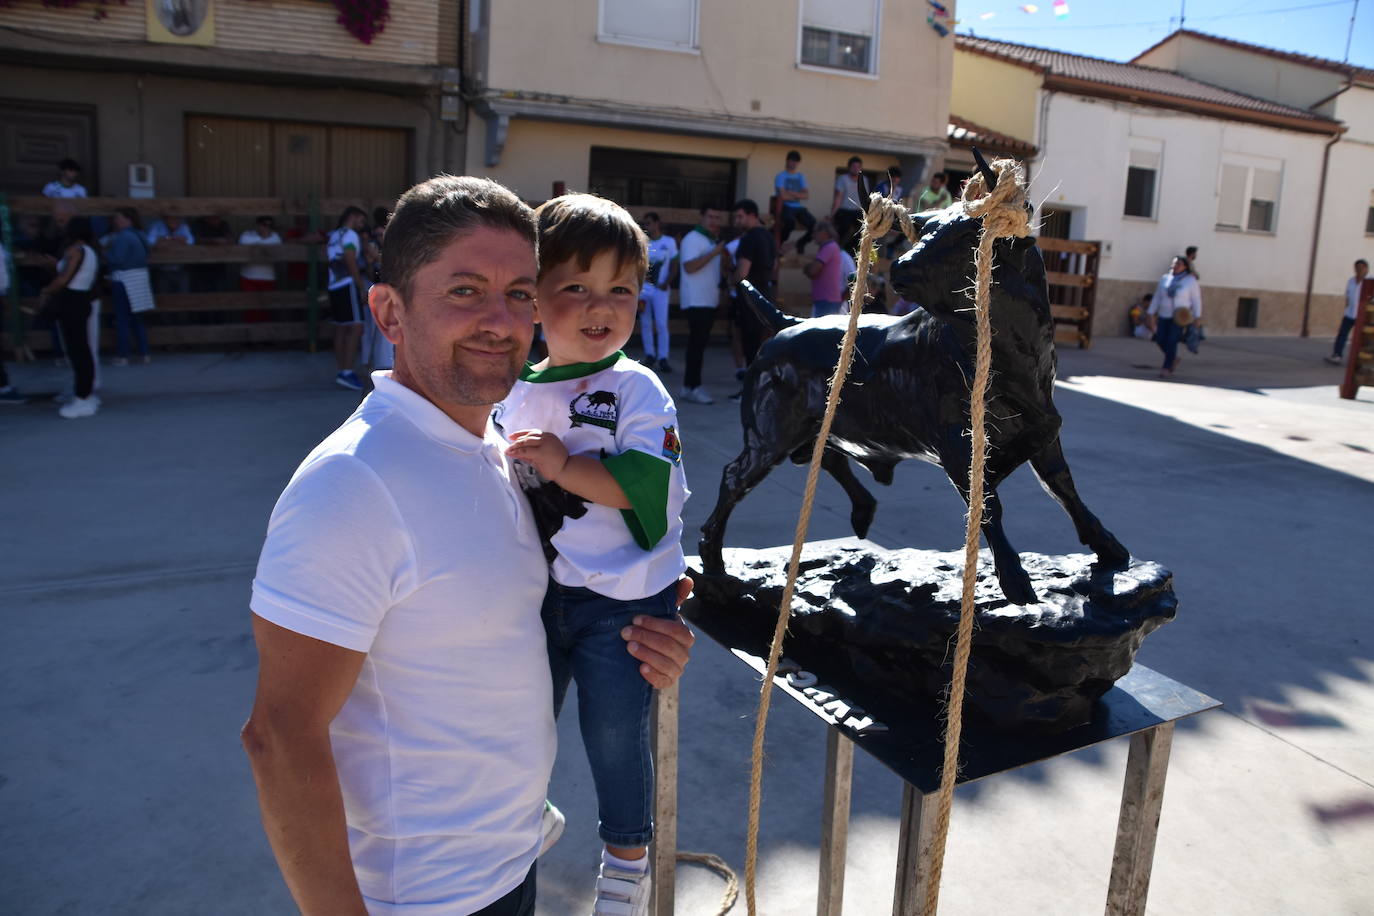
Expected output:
(422, 413)
(571, 371)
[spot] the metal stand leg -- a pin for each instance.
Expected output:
(839, 773)
(664, 849)
(1141, 800)
(913, 852)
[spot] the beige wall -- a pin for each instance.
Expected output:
(1245, 71)
(278, 26)
(1279, 312)
(996, 95)
(538, 153)
(748, 55)
(165, 101)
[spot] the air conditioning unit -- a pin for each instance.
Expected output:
(141, 180)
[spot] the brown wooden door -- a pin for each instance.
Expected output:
(368, 162)
(228, 157)
(35, 137)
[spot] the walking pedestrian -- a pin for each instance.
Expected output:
(1352, 310)
(1177, 303)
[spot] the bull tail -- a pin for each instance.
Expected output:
(765, 311)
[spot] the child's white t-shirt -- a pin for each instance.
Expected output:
(619, 411)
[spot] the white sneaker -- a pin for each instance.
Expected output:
(622, 893)
(697, 395)
(552, 826)
(79, 407)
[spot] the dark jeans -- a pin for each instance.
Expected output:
(1166, 336)
(126, 318)
(789, 218)
(519, 902)
(847, 225)
(699, 321)
(583, 633)
(73, 310)
(1338, 348)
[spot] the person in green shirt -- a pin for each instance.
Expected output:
(936, 196)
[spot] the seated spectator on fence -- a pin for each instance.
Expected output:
(67, 183)
(169, 234)
(936, 196)
(791, 189)
(846, 208)
(826, 273)
(259, 276)
(1136, 317)
(892, 186)
(126, 253)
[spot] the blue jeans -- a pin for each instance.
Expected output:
(1167, 335)
(583, 630)
(1338, 348)
(124, 319)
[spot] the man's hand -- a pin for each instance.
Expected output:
(544, 450)
(663, 646)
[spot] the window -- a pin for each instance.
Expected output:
(1247, 312)
(668, 24)
(1248, 193)
(1369, 216)
(839, 35)
(633, 178)
(1142, 177)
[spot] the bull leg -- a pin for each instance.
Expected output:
(739, 477)
(862, 503)
(1011, 575)
(1053, 473)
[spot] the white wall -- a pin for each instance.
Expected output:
(1349, 186)
(1083, 161)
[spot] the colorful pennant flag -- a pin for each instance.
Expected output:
(1030, 8)
(986, 16)
(1061, 9)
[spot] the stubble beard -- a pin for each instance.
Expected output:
(472, 388)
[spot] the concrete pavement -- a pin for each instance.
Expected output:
(129, 541)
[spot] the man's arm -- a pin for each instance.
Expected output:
(302, 685)
(698, 263)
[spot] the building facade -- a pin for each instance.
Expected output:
(1149, 162)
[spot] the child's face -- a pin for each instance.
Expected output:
(587, 314)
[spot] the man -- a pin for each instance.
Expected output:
(1191, 254)
(66, 184)
(259, 276)
(699, 295)
(892, 187)
(754, 260)
(171, 232)
(402, 734)
(1352, 309)
(790, 187)
(826, 271)
(653, 295)
(847, 206)
(936, 196)
(347, 294)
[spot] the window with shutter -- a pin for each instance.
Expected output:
(1248, 193)
(839, 34)
(1142, 177)
(1264, 199)
(668, 24)
(1231, 205)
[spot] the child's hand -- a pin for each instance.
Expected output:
(544, 450)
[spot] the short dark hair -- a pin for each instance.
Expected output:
(793, 156)
(939, 175)
(265, 219)
(380, 215)
(854, 159)
(652, 217)
(67, 165)
(895, 171)
(747, 205)
(431, 214)
(1148, 297)
(704, 207)
(79, 230)
(1361, 261)
(1191, 251)
(130, 214)
(583, 226)
(350, 212)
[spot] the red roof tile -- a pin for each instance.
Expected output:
(963, 132)
(1123, 79)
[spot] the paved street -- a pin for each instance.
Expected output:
(129, 541)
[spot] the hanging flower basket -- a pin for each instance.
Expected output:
(364, 19)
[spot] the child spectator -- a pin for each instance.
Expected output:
(601, 463)
(1135, 319)
(66, 184)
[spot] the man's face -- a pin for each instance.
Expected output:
(68, 176)
(462, 334)
(710, 221)
(937, 182)
(355, 222)
(121, 221)
(1360, 270)
(264, 228)
(855, 168)
(793, 164)
(173, 223)
(587, 314)
(741, 220)
(1178, 266)
(652, 228)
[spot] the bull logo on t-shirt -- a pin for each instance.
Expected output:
(594, 408)
(672, 445)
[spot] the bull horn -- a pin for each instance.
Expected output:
(989, 176)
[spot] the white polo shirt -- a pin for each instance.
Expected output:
(403, 536)
(702, 288)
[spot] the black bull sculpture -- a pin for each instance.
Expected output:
(907, 395)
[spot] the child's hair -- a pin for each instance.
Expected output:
(583, 226)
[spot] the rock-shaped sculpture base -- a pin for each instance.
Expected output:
(879, 626)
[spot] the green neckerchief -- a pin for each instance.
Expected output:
(709, 237)
(573, 370)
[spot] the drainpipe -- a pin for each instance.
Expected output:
(1317, 226)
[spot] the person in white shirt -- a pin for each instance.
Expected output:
(1178, 289)
(653, 296)
(699, 296)
(66, 184)
(1352, 310)
(259, 276)
(402, 734)
(347, 294)
(170, 232)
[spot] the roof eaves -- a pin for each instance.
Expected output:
(1309, 60)
(1002, 56)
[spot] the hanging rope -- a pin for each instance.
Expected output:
(1004, 215)
(882, 212)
